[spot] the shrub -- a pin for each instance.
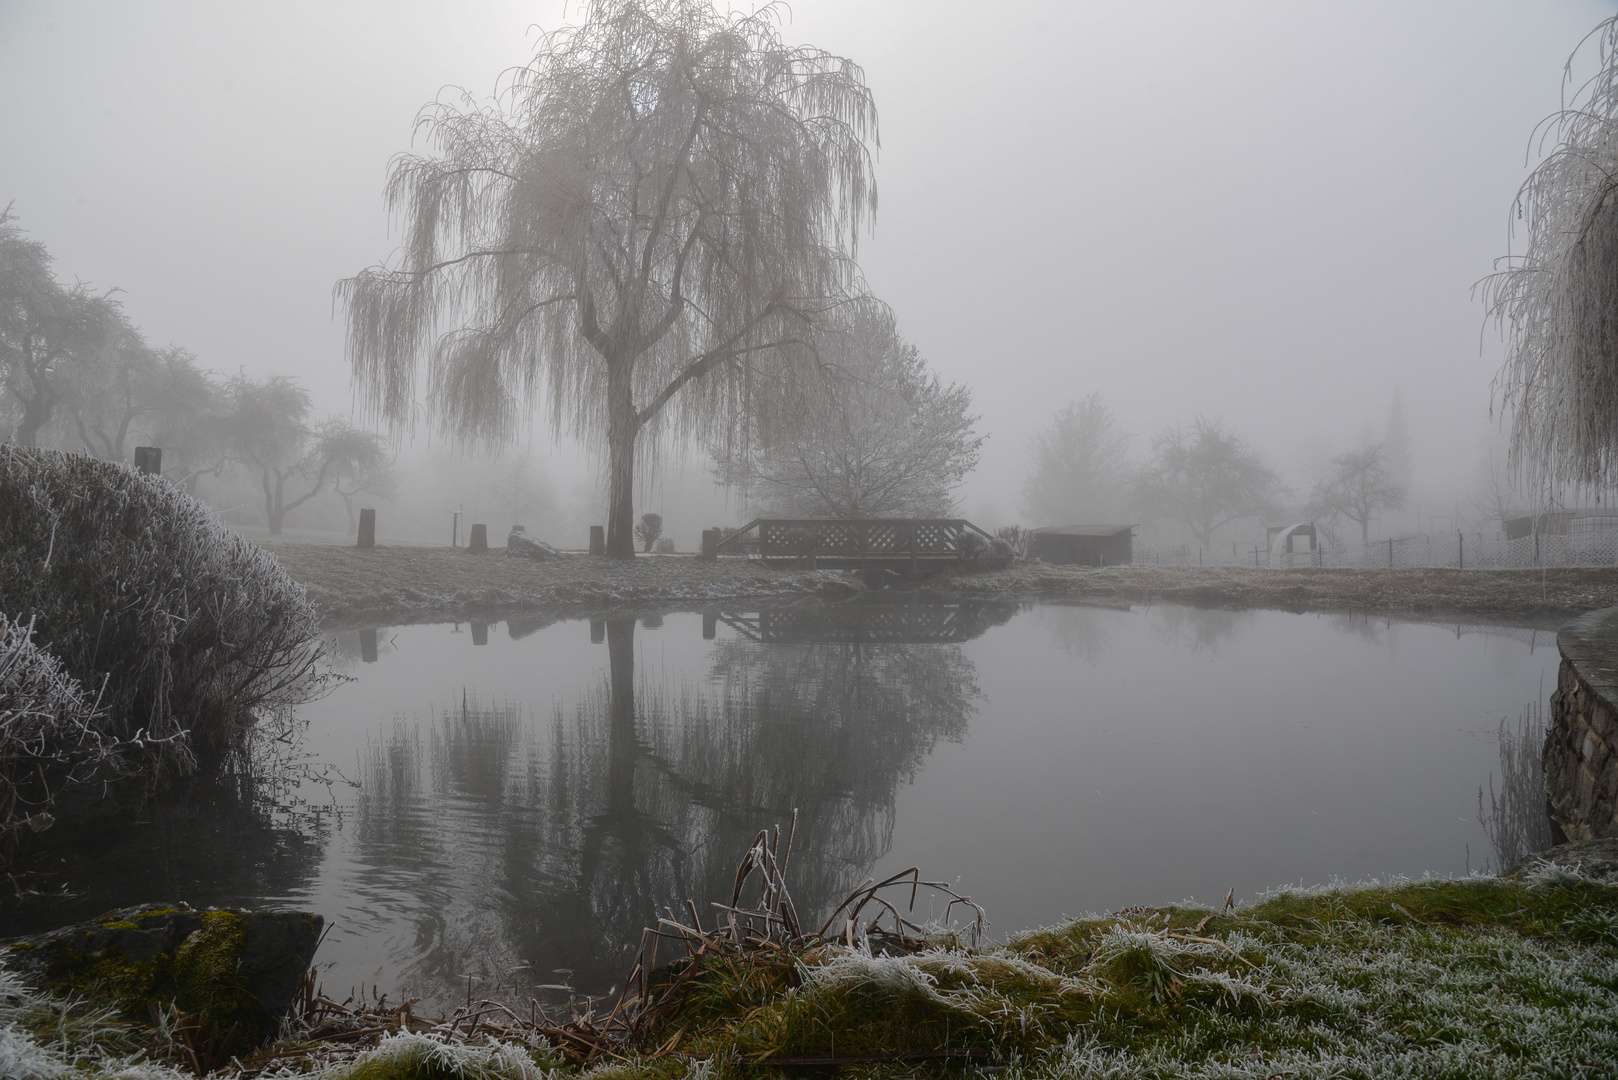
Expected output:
(649, 529)
(1017, 537)
(665, 546)
(982, 553)
(46, 721)
(185, 633)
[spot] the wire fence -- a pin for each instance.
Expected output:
(1465, 551)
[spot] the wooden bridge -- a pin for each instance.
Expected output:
(913, 544)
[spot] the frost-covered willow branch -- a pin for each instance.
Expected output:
(635, 232)
(1556, 303)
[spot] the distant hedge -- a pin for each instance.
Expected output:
(178, 633)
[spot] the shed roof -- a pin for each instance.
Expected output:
(1083, 530)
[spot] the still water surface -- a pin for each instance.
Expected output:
(514, 802)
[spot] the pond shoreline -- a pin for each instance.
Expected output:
(351, 587)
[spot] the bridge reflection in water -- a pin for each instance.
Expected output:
(899, 620)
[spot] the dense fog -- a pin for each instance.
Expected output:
(1116, 230)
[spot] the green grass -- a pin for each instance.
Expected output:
(1485, 977)
(1482, 977)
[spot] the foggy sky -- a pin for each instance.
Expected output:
(1271, 212)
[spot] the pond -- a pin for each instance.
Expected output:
(514, 802)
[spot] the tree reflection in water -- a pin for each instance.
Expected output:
(536, 855)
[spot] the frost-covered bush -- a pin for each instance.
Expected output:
(984, 553)
(46, 720)
(182, 633)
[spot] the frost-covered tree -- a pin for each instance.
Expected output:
(1078, 467)
(1360, 487)
(49, 333)
(638, 229)
(1556, 301)
(270, 434)
(1205, 477)
(871, 430)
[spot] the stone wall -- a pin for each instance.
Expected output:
(1581, 766)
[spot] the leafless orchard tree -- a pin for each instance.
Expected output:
(1205, 478)
(638, 230)
(870, 431)
(270, 435)
(1556, 303)
(1360, 487)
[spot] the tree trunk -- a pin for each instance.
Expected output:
(272, 505)
(622, 427)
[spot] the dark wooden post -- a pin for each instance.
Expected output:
(479, 543)
(368, 645)
(367, 537)
(710, 625)
(480, 632)
(149, 459)
(598, 541)
(710, 544)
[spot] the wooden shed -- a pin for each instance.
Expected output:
(1084, 545)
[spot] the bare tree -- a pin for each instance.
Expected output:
(189, 418)
(270, 434)
(638, 230)
(1359, 488)
(1078, 467)
(359, 463)
(111, 391)
(870, 431)
(1206, 477)
(46, 330)
(1557, 302)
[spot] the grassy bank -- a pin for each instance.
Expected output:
(1499, 977)
(414, 584)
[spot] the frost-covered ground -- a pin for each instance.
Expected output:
(1553, 594)
(1481, 977)
(412, 584)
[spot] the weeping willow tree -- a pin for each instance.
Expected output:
(1557, 302)
(639, 231)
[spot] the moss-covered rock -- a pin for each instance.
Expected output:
(236, 971)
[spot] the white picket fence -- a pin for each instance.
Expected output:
(1468, 551)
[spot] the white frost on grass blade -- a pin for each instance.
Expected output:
(465, 1061)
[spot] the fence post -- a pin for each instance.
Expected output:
(367, 533)
(1460, 549)
(1390, 553)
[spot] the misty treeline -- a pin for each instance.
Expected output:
(77, 374)
(1202, 478)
